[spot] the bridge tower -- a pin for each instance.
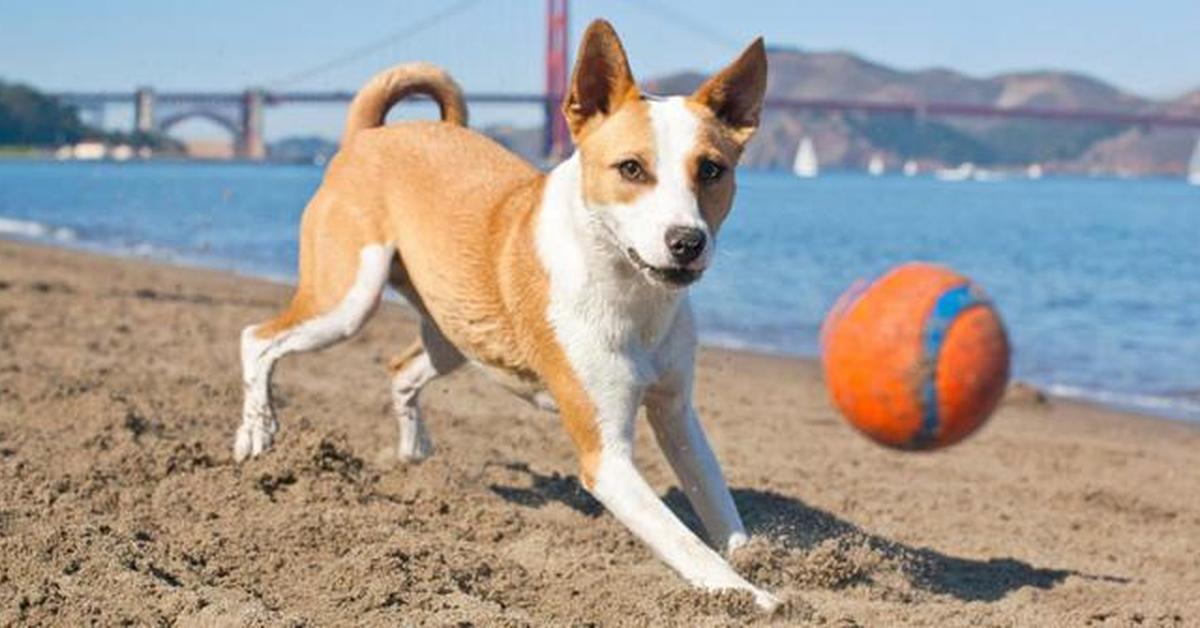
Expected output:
(250, 143)
(556, 139)
(143, 110)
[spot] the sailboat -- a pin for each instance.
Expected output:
(1194, 166)
(876, 166)
(911, 168)
(962, 172)
(1034, 171)
(805, 164)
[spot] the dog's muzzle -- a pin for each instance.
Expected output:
(675, 276)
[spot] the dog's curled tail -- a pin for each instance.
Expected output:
(384, 90)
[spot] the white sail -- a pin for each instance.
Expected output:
(963, 172)
(1194, 166)
(911, 168)
(876, 166)
(805, 164)
(1034, 171)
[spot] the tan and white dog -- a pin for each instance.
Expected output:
(569, 287)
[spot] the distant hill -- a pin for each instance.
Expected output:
(1190, 100)
(1138, 150)
(850, 140)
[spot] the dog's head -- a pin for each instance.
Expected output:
(658, 173)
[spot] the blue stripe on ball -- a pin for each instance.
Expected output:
(947, 308)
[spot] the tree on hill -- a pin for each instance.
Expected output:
(30, 118)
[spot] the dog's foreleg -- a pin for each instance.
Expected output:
(599, 416)
(632, 501)
(678, 431)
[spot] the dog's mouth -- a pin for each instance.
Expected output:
(674, 276)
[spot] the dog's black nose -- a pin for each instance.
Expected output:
(685, 243)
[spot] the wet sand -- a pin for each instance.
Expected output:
(119, 499)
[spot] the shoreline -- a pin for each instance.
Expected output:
(1120, 402)
(120, 394)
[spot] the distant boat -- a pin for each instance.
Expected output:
(876, 165)
(911, 168)
(89, 151)
(1194, 167)
(805, 164)
(963, 172)
(121, 152)
(988, 176)
(1034, 171)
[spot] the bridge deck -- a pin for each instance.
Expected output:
(939, 109)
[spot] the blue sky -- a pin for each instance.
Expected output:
(1150, 47)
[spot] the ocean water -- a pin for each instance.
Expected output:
(1097, 280)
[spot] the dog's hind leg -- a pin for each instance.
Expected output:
(338, 291)
(425, 360)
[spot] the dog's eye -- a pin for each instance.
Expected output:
(710, 171)
(632, 171)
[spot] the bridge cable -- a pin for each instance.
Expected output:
(374, 46)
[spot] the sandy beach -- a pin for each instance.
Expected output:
(120, 502)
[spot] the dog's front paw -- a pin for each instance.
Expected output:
(765, 601)
(415, 444)
(735, 542)
(252, 439)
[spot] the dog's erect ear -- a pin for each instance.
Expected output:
(601, 81)
(735, 94)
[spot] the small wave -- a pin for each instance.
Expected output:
(145, 249)
(35, 230)
(1191, 394)
(728, 341)
(1168, 405)
(736, 342)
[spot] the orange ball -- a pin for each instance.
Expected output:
(917, 359)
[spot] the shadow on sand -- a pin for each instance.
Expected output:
(544, 489)
(793, 524)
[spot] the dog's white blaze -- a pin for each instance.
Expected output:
(621, 333)
(676, 130)
(643, 224)
(260, 354)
